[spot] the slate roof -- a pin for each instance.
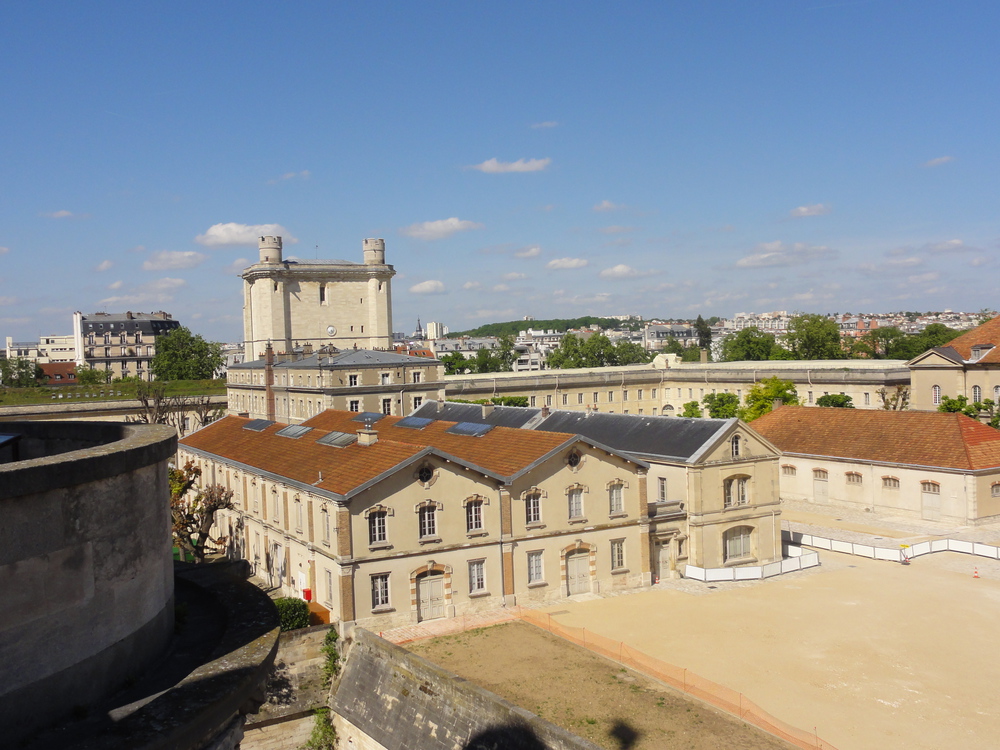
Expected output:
(665, 437)
(347, 359)
(987, 333)
(502, 452)
(918, 438)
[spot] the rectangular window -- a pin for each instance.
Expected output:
(624, 395)
(384, 378)
(565, 399)
(738, 543)
(639, 396)
(535, 567)
(617, 554)
(354, 405)
(352, 379)
(533, 509)
(611, 397)
(417, 401)
(376, 527)
(868, 399)
(576, 503)
(328, 577)
(417, 376)
(325, 516)
(653, 393)
(662, 494)
(477, 576)
(474, 516)
(579, 398)
(380, 590)
(298, 515)
(615, 502)
(532, 401)
(428, 521)
(548, 400)
(322, 294)
(387, 406)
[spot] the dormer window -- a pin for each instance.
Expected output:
(980, 351)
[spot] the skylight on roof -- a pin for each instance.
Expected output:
(472, 429)
(293, 431)
(258, 425)
(338, 439)
(415, 423)
(369, 417)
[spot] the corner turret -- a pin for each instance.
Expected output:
(270, 249)
(374, 252)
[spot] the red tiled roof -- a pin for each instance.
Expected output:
(987, 333)
(919, 438)
(503, 451)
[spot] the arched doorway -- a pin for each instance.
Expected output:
(430, 595)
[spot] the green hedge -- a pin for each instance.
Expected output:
(292, 612)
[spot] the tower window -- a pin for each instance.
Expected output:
(322, 294)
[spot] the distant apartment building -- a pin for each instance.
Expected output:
(773, 322)
(655, 336)
(435, 330)
(123, 344)
(46, 349)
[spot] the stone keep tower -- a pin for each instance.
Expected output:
(318, 302)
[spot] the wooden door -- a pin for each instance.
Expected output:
(430, 596)
(578, 572)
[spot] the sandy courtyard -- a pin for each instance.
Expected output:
(875, 655)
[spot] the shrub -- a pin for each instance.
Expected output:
(331, 665)
(324, 736)
(292, 612)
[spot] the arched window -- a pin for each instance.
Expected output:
(737, 491)
(931, 487)
(890, 483)
(977, 394)
(996, 393)
(735, 445)
(788, 470)
(936, 395)
(737, 543)
(995, 489)
(821, 475)
(853, 477)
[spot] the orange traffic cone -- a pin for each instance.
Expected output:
(976, 574)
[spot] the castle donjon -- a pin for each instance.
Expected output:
(290, 303)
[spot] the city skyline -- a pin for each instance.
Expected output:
(660, 160)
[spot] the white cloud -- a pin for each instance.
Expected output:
(775, 254)
(116, 284)
(938, 161)
(562, 264)
(8, 300)
(816, 209)
(948, 246)
(501, 288)
(231, 233)
(531, 251)
(4, 250)
(977, 262)
(155, 292)
(616, 230)
(596, 299)
(237, 266)
(606, 206)
(304, 175)
(471, 285)
(514, 276)
(430, 286)
(923, 278)
(59, 214)
(907, 262)
(168, 260)
(440, 229)
(493, 166)
(493, 314)
(546, 124)
(621, 271)
(104, 265)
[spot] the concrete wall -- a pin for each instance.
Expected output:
(390, 699)
(86, 575)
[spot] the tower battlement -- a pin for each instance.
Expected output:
(270, 249)
(374, 252)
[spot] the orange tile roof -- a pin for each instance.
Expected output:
(922, 438)
(987, 333)
(502, 451)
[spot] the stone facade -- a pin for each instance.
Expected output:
(321, 302)
(123, 344)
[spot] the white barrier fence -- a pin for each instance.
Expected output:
(892, 554)
(795, 559)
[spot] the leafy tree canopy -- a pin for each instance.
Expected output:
(750, 344)
(513, 327)
(760, 399)
(18, 372)
(181, 355)
(722, 405)
(454, 363)
(89, 376)
(691, 409)
(813, 336)
(704, 331)
(596, 351)
(836, 400)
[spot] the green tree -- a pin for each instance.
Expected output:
(673, 346)
(750, 344)
(691, 409)
(90, 376)
(598, 351)
(813, 336)
(181, 355)
(722, 405)
(704, 331)
(836, 400)
(566, 355)
(760, 399)
(895, 399)
(882, 343)
(454, 363)
(631, 353)
(961, 405)
(18, 372)
(692, 354)
(505, 355)
(936, 334)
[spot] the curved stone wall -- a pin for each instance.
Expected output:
(86, 573)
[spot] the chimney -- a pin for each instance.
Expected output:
(545, 412)
(777, 404)
(269, 399)
(487, 410)
(307, 350)
(704, 356)
(367, 436)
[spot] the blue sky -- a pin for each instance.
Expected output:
(546, 159)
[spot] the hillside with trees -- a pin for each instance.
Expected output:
(513, 327)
